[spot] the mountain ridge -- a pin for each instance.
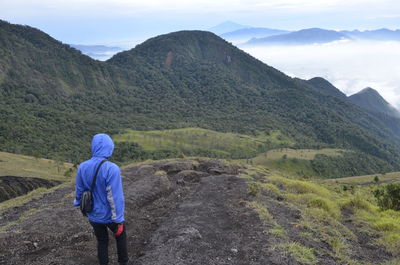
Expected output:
(181, 79)
(304, 36)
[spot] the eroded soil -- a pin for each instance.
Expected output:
(11, 186)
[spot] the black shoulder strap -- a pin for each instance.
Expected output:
(95, 176)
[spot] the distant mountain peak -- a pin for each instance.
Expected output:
(325, 87)
(369, 90)
(226, 26)
(370, 99)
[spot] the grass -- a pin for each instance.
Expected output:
(278, 231)
(262, 211)
(295, 162)
(202, 141)
(300, 253)
(303, 154)
(368, 179)
(28, 166)
(299, 186)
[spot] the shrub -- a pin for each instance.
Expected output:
(356, 202)
(388, 196)
(376, 179)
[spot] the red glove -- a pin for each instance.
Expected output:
(120, 229)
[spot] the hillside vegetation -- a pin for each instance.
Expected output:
(53, 98)
(199, 142)
(336, 220)
(326, 163)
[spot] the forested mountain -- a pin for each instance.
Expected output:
(323, 86)
(370, 99)
(53, 98)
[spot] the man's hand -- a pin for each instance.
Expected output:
(119, 230)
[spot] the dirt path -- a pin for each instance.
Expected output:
(179, 212)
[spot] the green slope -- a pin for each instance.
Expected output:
(197, 142)
(54, 98)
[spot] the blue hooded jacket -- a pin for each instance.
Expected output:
(108, 195)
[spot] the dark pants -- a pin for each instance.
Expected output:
(100, 230)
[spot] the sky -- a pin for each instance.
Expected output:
(125, 23)
(108, 21)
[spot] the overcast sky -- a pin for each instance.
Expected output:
(124, 23)
(105, 21)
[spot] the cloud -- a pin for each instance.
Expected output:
(350, 66)
(131, 7)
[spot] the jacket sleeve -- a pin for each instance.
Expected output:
(115, 194)
(79, 188)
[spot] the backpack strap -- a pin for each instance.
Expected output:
(95, 176)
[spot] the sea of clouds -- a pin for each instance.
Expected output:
(349, 65)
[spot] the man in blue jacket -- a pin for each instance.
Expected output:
(108, 198)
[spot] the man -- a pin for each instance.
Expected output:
(108, 198)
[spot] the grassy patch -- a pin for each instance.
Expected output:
(28, 166)
(300, 253)
(299, 186)
(303, 154)
(329, 206)
(197, 141)
(293, 161)
(262, 211)
(357, 202)
(278, 231)
(368, 179)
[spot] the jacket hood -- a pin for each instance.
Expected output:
(102, 145)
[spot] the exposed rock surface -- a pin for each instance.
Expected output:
(179, 212)
(201, 222)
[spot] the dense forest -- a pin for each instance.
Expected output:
(53, 98)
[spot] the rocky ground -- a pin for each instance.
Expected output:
(187, 211)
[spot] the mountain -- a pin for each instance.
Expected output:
(370, 99)
(53, 98)
(226, 26)
(301, 37)
(245, 34)
(326, 87)
(378, 34)
(99, 52)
